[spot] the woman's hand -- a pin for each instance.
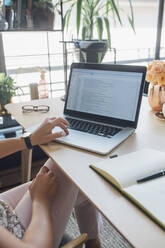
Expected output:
(43, 134)
(43, 188)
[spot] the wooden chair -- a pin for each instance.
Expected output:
(76, 243)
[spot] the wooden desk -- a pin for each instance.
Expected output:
(133, 224)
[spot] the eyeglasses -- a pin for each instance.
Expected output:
(31, 108)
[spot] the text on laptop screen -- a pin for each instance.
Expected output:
(107, 93)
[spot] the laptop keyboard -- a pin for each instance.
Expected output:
(92, 128)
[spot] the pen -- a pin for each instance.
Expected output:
(153, 176)
(113, 156)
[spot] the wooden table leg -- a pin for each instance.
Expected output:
(26, 162)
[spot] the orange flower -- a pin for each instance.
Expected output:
(149, 77)
(156, 72)
(162, 80)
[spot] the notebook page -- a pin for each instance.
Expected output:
(128, 168)
(151, 195)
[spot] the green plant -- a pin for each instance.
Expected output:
(95, 13)
(7, 89)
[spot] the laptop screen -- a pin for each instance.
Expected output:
(107, 93)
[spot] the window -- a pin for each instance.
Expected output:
(28, 52)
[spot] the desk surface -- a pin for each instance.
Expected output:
(132, 223)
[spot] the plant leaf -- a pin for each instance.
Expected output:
(78, 17)
(99, 58)
(131, 19)
(84, 32)
(113, 5)
(99, 24)
(2, 76)
(7, 89)
(67, 15)
(131, 23)
(96, 3)
(107, 25)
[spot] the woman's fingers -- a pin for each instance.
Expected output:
(53, 118)
(62, 126)
(60, 121)
(44, 133)
(57, 135)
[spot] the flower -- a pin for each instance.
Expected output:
(156, 72)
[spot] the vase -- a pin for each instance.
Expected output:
(156, 96)
(3, 111)
(91, 51)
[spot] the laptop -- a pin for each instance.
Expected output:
(102, 105)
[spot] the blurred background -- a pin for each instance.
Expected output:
(27, 52)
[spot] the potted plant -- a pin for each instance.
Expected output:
(42, 12)
(7, 91)
(91, 14)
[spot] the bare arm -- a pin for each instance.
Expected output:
(39, 234)
(7, 240)
(42, 135)
(43, 189)
(11, 145)
(40, 230)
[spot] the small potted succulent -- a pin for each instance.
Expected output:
(7, 91)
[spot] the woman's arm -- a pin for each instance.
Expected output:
(40, 231)
(43, 134)
(42, 190)
(11, 145)
(38, 235)
(7, 240)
